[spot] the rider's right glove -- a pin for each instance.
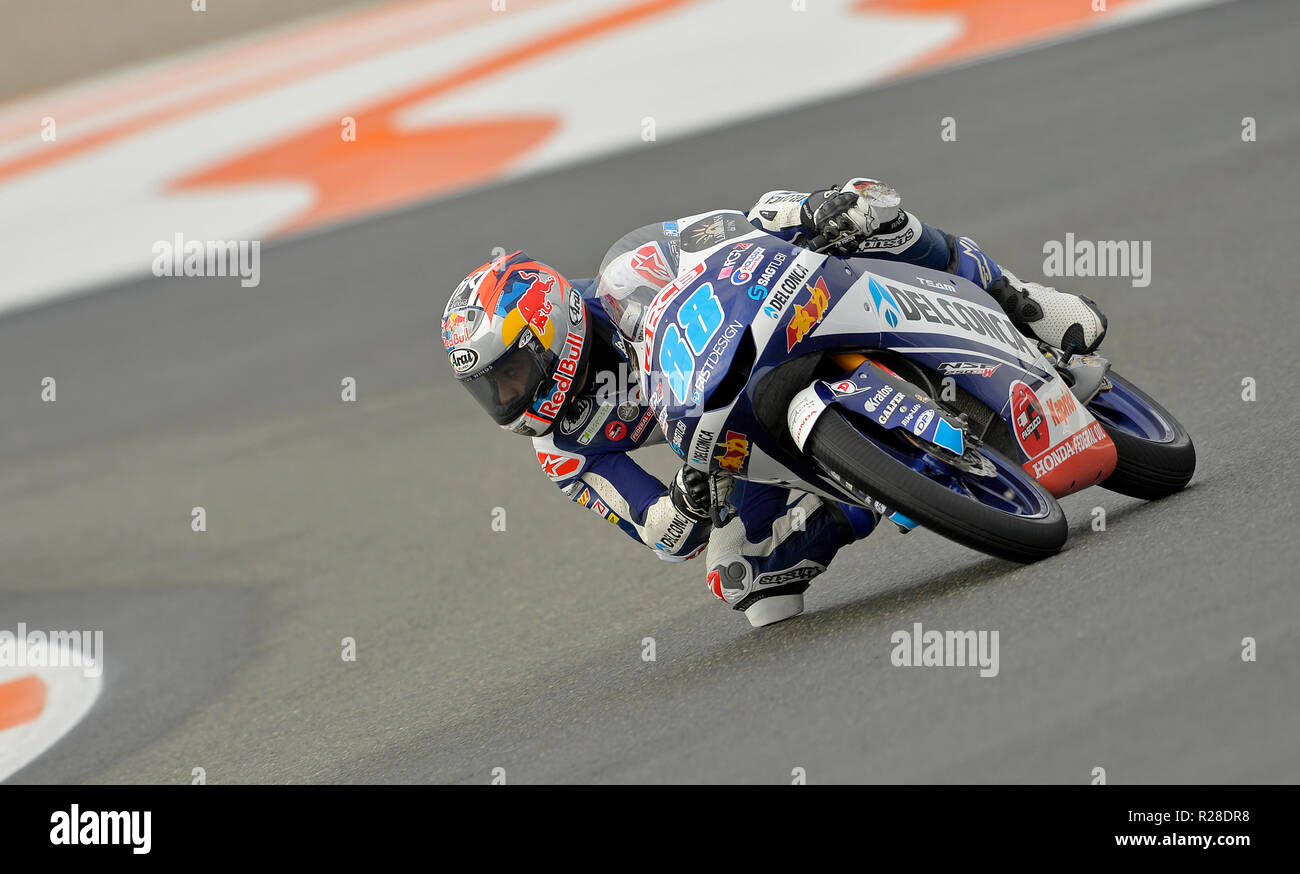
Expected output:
(689, 493)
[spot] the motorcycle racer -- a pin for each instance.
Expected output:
(538, 353)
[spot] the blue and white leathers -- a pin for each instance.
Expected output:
(783, 536)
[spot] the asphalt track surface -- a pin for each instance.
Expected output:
(522, 649)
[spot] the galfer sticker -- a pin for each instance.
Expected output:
(889, 408)
(805, 408)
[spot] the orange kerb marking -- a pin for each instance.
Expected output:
(21, 701)
(991, 25)
(274, 76)
(385, 167)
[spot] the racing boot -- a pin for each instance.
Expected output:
(1069, 322)
(762, 562)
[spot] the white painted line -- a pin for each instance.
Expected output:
(69, 696)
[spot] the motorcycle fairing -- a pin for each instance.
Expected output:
(747, 301)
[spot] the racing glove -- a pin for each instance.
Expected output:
(689, 493)
(847, 216)
(839, 218)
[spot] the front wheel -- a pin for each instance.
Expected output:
(1155, 453)
(1007, 514)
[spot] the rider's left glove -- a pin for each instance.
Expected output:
(838, 216)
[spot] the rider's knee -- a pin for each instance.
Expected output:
(766, 579)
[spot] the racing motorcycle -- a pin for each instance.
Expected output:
(882, 384)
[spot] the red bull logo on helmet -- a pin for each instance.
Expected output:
(455, 330)
(532, 308)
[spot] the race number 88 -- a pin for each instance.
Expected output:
(700, 315)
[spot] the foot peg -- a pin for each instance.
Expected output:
(1089, 376)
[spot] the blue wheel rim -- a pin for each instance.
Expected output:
(992, 491)
(1119, 409)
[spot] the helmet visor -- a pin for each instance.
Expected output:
(512, 383)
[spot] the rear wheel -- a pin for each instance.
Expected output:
(1002, 511)
(1155, 453)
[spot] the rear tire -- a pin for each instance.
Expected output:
(1149, 469)
(836, 444)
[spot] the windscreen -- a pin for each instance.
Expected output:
(633, 272)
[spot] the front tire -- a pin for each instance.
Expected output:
(838, 446)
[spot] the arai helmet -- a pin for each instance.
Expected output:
(516, 334)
